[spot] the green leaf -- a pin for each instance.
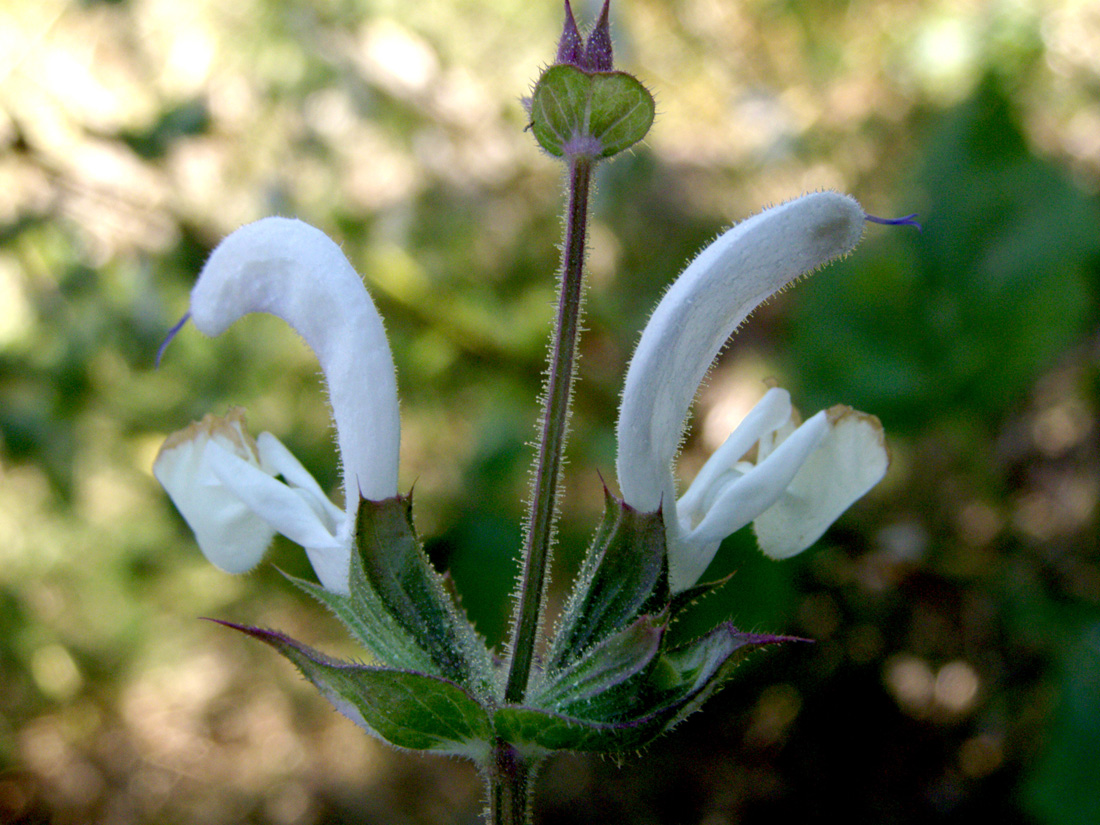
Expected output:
(624, 575)
(1061, 786)
(576, 114)
(701, 667)
(609, 681)
(378, 631)
(541, 730)
(407, 709)
(393, 585)
(679, 682)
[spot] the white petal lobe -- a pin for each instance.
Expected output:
(230, 534)
(851, 459)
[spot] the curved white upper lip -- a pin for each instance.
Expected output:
(290, 269)
(691, 324)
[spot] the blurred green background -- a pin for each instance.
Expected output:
(956, 673)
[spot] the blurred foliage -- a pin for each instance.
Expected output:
(955, 611)
(953, 326)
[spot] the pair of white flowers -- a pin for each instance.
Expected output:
(803, 476)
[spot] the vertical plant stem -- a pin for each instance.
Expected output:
(555, 423)
(509, 778)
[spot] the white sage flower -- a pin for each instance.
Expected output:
(225, 484)
(804, 476)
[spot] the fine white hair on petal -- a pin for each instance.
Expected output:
(706, 304)
(291, 270)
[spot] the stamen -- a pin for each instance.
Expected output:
(908, 220)
(171, 334)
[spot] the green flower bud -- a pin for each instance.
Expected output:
(581, 108)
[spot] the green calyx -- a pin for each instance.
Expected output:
(589, 115)
(610, 681)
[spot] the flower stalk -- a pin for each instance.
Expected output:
(582, 112)
(555, 425)
(509, 779)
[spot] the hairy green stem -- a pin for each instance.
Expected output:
(509, 780)
(555, 424)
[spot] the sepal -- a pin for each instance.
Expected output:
(410, 710)
(400, 608)
(705, 664)
(570, 44)
(392, 576)
(684, 599)
(609, 681)
(624, 575)
(576, 114)
(380, 633)
(678, 683)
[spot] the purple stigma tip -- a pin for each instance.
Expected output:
(171, 334)
(908, 220)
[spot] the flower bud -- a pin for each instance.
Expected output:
(580, 108)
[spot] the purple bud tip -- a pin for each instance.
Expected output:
(908, 220)
(597, 52)
(570, 47)
(171, 334)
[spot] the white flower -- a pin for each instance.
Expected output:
(804, 476)
(222, 482)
